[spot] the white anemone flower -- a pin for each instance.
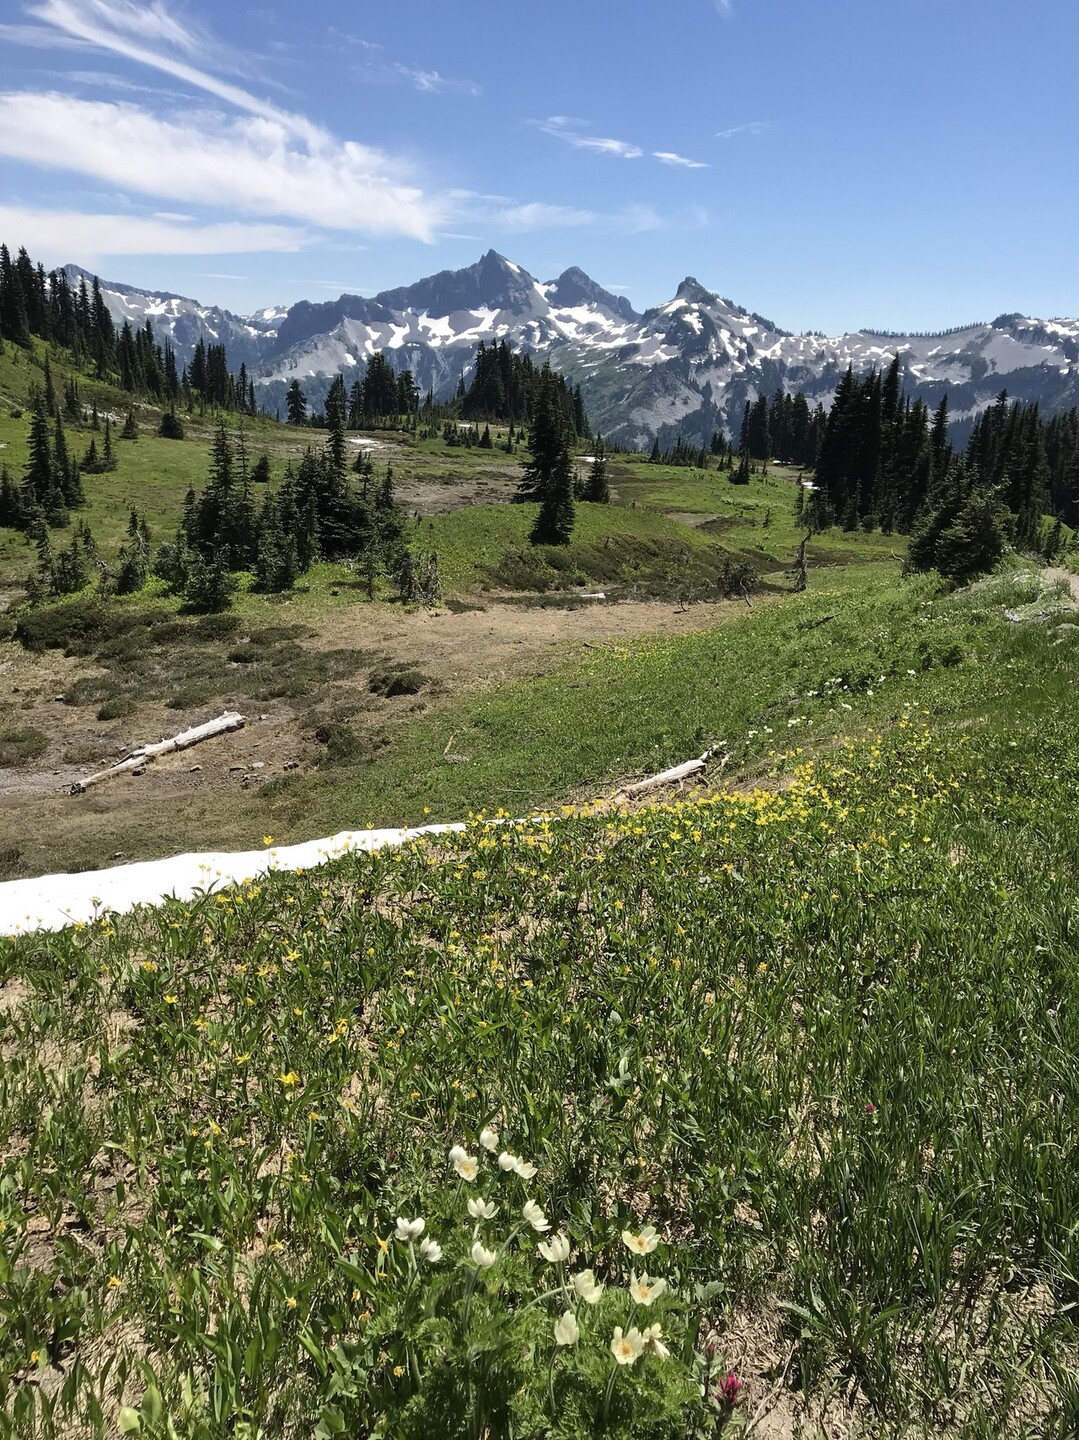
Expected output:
(482, 1209)
(507, 1162)
(524, 1169)
(489, 1139)
(483, 1258)
(627, 1348)
(642, 1244)
(457, 1154)
(408, 1229)
(653, 1342)
(586, 1288)
(431, 1250)
(467, 1166)
(556, 1249)
(566, 1330)
(644, 1290)
(535, 1216)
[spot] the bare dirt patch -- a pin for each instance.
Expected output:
(205, 797)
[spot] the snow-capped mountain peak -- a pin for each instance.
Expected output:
(685, 367)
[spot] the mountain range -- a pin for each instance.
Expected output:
(684, 368)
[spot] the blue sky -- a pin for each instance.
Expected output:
(830, 164)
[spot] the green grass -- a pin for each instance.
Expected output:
(821, 1033)
(757, 519)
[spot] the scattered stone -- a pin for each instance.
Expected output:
(259, 765)
(139, 770)
(193, 769)
(119, 855)
(292, 765)
(57, 699)
(235, 769)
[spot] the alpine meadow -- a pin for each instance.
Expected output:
(538, 862)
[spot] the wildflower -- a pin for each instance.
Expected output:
(483, 1258)
(291, 1078)
(566, 1330)
(489, 1139)
(114, 1282)
(431, 1250)
(292, 1302)
(653, 1342)
(870, 1108)
(408, 1229)
(524, 1169)
(508, 1162)
(645, 1290)
(482, 1209)
(267, 839)
(398, 1371)
(171, 1000)
(35, 1356)
(556, 1250)
(729, 1389)
(467, 1166)
(586, 1288)
(642, 1244)
(627, 1348)
(535, 1216)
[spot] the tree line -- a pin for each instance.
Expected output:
(44, 305)
(885, 462)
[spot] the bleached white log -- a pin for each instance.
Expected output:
(671, 776)
(231, 720)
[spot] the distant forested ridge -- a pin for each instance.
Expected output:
(41, 304)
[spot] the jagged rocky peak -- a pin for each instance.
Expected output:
(492, 283)
(574, 288)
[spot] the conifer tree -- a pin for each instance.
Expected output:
(130, 430)
(12, 514)
(597, 488)
(550, 463)
(296, 404)
(170, 427)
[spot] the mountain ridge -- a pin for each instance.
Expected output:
(686, 367)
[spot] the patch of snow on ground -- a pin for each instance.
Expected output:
(50, 902)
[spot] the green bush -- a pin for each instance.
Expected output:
(20, 745)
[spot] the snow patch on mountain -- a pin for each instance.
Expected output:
(686, 367)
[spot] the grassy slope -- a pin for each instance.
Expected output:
(823, 1035)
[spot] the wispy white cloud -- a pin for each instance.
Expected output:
(535, 215)
(564, 127)
(57, 235)
(669, 157)
(751, 127)
(117, 27)
(265, 161)
(247, 164)
(39, 37)
(725, 8)
(430, 82)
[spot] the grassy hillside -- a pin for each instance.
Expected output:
(819, 1030)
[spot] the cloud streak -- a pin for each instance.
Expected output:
(57, 234)
(245, 163)
(670, 157)
(563, 127)
(430, 82)
(572, 132)
(751, 127)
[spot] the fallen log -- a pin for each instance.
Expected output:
(671, 776)
(186, 738)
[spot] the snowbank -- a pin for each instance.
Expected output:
(49, 902)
